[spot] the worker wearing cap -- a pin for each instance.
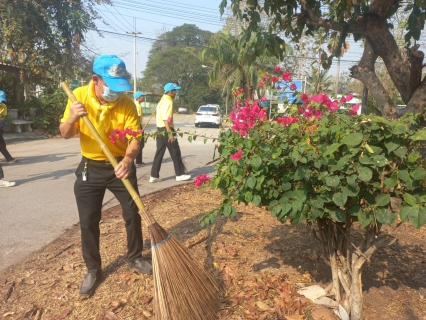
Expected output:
(166, 137)
(3, 114)
(139, 98)
(107, 106)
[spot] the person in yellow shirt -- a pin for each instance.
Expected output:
(167, 138)
(139, 98)
(3, 114)
(107, 106)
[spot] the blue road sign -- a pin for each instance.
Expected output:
(285, 93)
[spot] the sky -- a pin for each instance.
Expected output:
(154, 17)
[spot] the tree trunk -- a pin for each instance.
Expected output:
(356, 295)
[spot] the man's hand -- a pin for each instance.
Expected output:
(123, 168)
(77, 110)
(172, 138)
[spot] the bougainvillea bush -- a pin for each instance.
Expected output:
(329, 167)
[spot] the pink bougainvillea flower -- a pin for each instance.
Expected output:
(286, 76)
(317, 98)
(293, 86)
(349, 97)
(263, 98)
(317, 114)
(261, 84)
(277, 69)
(236, 156)
(354, 110)
(333, 106)
(304, 97)
(287, 120)
(279, 88)
(274, 79)
(201, 179)
(239, 103)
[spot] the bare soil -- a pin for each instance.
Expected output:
(259, 261)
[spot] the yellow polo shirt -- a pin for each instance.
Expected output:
(3, 110)
(139, 110)
(122, 115)
(164, 111)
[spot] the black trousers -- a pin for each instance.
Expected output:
(139, 155)
(1, 173)
(3, 149)
(174, 150)
(89, 195)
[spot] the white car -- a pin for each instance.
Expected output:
(209, 114)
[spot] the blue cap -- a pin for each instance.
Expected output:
(2, 96)
(171, 86)
(113, 70)
(139, 94)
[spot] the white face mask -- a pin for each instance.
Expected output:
(110, 95)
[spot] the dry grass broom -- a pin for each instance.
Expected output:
(183, 289)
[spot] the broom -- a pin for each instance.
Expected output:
(183, 290)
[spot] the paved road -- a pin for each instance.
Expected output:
(42, 205)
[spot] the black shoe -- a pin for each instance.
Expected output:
(89, 284)
(141, 265)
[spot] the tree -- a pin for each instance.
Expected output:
(43, 37)
(364, 20)
(174, 57)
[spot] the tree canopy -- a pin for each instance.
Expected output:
(174, 57)
(43, 37)
(368, 21)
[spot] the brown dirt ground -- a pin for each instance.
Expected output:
(258, 260)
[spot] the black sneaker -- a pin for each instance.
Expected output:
(142, 265)
(89, 284)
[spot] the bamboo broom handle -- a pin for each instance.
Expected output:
(110, 157)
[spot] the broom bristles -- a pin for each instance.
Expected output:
(183, 289)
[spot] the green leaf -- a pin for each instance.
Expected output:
(332, 148)
(276, 211)
(351, 190)
(248, 196)
(399, 129)
(352, 180)
(251, 182)
(286, 186)
(403, 175)
(385, 216)
(413, 157)
(257, 200)
(417, 217)
(401, 152)
(256, 162)
(365, 218)
(353, 139)
(338, 215)
(391, 183)
(418, 174)
(380, 161)
(301, 173)
(382, 200)
(364, 174)
(227, 210)
(190, 138)
(406, 211)
(354, 211)
(340, 198)
(393, 144)
(419, 135)
(366, 159)
(332, 181)
(410, 199)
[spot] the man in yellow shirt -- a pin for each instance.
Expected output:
(167, 139)
(139, 98)
(3, 114)
(107, 106)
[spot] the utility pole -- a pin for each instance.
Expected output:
(134, 54)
